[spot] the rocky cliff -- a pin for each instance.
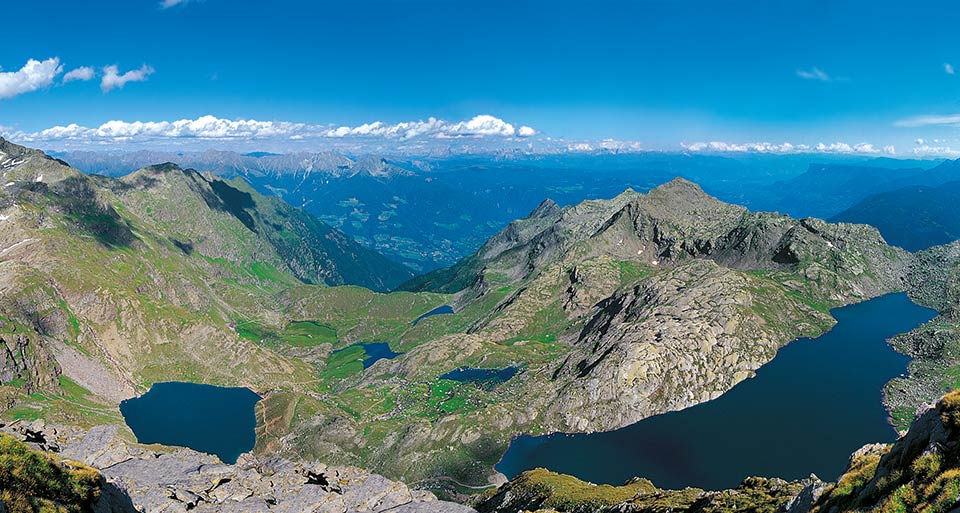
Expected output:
(138, 479)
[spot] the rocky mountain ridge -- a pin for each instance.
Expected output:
(677, 221)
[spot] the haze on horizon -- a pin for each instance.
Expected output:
(869, 78)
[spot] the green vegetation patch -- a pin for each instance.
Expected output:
(31, 481)
(566, 493)
(265, 271)
(632, 272)
(308, 333)
(344, 363)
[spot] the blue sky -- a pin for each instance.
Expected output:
(660, 72)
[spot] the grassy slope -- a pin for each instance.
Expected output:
(31, 481)
(542, 490)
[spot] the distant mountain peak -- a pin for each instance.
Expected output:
(165, 167)
(165, 173)
(681, 188)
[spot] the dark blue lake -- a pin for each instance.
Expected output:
(440, 310)
(486, 378)
(372, 352)
(806, 411)
(214, 420)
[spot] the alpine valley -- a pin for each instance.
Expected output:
(378, 386)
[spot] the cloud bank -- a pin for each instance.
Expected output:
(32, 76)
(786, 147)
(214, 128)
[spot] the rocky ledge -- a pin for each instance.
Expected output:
(168, 480)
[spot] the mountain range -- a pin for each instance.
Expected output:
(590, 313)
(430, 212)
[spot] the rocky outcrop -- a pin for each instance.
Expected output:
(920, 472)
(167, 480)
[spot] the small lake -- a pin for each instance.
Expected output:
(210, 419)
(370, 352)
(806, 411)
(484, 378)
(440, 310)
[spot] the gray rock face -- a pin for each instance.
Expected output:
(172, 481)
(807, 497)
(683, 338)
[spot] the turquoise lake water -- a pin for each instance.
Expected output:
(805, 412)
(214, 420)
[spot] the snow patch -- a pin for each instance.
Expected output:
(26, 241)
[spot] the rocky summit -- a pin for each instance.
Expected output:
(141, 479)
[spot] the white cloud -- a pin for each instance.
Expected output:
(930, 120)
(482, 125)
(214, 128)
(925, 150)
(32, 76)
(617, 145)
(112, 78)
(83, 73)
(581, 146)
(166, 4)
(948, 68)
(758, 147)
(479, 126)
(786, 147)
(814, 74)
(604, 145)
